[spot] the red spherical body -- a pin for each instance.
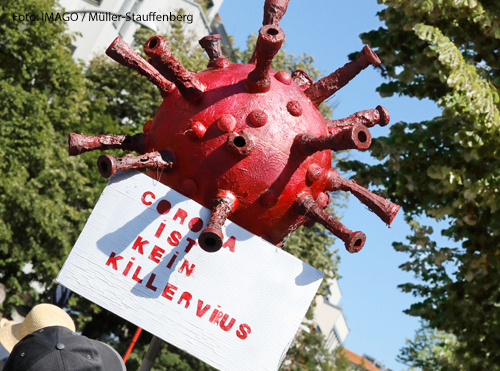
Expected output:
(252, 158)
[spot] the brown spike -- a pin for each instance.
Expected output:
(211, 45)
(384, 209)
(323, 200)
(80, 143)
(356, 137)
(274, 10)
(330, 84)
(164, 61)
(310, 223)
(302, 79)
(354, 241)
(268, 44)
(368, 118)
(211, 238)
(122, 53)
(109, 165)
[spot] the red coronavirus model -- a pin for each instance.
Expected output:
(246, 141)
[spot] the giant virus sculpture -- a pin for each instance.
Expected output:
(245, 141)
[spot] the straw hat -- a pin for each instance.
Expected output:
(6, 322)
(41, 316)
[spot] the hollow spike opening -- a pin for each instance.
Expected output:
(327, 86)
(211, 238)
(368, 118)
(268, 44)
(109, 165)
(211, 45)
(384, 209)
(354, 241)
(168, 65)
(122, 53)
(356, 137)
(240, 143)
(80, 143)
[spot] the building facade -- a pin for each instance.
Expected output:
(98, 22)
(328, 316)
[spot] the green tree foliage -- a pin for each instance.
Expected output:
(431, 350)
(44, 198)
(205, 4)
(448, 167)
(307, 353)
(169, 358)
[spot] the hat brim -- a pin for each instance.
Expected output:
(10, 336)
(110, 358)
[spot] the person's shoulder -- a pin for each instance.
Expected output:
(2, 363)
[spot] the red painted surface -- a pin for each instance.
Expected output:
(147, 202)
(212, 166)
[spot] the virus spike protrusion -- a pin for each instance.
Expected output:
(226, 123)
(196, 129)
(327, 86)
(109, 165)
(274, 10)
(223, 206)
(211, 45)
(323, 201)
(240, 143)
(354, 241)
(384, 209)
(268, 44)
(80, 143)
(369, 118)
(122, 53)
(355, 137)
(302, 79)
(168, 65)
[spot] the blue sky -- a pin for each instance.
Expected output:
(329, 31)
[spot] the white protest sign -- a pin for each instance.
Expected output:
(236, 309)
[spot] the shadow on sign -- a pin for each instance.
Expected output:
(168, 257)
(305, 277)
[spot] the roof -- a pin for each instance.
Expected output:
(357, 359)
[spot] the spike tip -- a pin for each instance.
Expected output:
(356, 137)
(274, 10)
(109, 165)
(384, 209)
(80, 143)
(354, 241)
(211, 238)
(122, 53)
(211, 45)
(164, 61)
(268, 44)
(369, 118)
(327, 86)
